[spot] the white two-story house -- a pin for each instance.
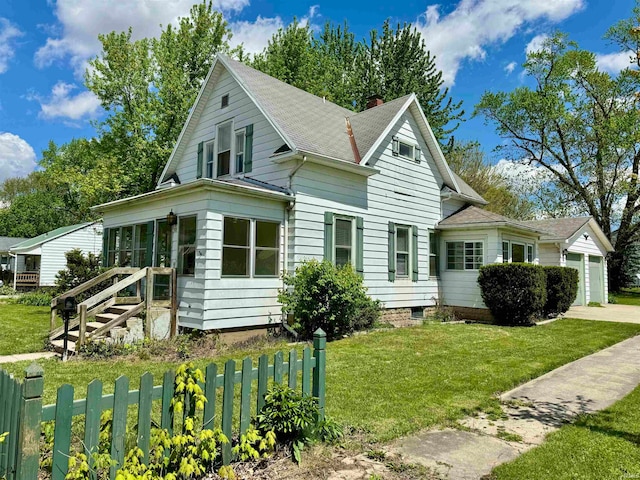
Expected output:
(265, 176)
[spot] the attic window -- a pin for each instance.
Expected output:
(406, 150)
(225, 101)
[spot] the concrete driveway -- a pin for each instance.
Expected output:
(606, 313)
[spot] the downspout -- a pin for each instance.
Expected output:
(294, 170)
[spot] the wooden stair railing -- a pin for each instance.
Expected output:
(106, 298)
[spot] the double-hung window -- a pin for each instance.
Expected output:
(210, 157)
(434, 257)
(241, 248)
(517, 252)
(343, 241)
(529, 253)
(224, 149)
(403, 241)
(187, 234)
(465, 255)
(240, 141)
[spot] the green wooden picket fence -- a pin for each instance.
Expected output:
(21, 407)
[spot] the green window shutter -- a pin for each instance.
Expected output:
(417, 153)
(414, 253)
(360, 246)
(248, 148)
(392, 251)
(200, 163)
(105, 247)
(328, 236)
(149, 256)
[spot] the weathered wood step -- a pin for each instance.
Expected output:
(106, 317)
(58, 346)
(119, 309)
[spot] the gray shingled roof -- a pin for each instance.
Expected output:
(369, 124)
(474, 216)
(8, 242)
(311, 123)
(559, 228)
(466, 190)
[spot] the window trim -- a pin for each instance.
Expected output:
(252, 246)
(239, 132)
(255, 247)
(464, 255)
(434, 249)
(210, 145)
(408, 228)
(353, 247)
(179, 263)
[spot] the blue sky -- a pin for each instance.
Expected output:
(480, 45)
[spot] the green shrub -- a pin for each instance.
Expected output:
(515, 293)
(562, 289)
(320, 295)
(34, 299)
(293, 418)
(80, 269)
(7, 290)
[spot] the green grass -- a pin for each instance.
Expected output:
(605, 445)
(23, 329)
(628, 296)
(394, 382)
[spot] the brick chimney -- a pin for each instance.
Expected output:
(374, 101)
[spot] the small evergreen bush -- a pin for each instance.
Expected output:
(79, 269)
(320, 295)
(562, 289)
(516, 293)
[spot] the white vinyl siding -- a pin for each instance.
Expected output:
(243, 112)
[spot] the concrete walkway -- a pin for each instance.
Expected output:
(607, 313)
(532, 410)
(26, 356)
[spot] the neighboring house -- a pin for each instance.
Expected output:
(42, 257)
(265, 176)
(578, 242)
(7, 262)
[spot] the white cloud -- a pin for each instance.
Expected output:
(61, 104)
(535, 44)
(521, 175)
(256, 35)
(17, 158)
(509, 68)
(82, 20)
(613, 62)
(474, 25)
(8, 34)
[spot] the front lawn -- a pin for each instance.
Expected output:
(23, 329)
(394, 382)
(602, 445)
(628, 296)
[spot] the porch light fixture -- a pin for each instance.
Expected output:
(172, 218)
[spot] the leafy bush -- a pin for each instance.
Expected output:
(7, 290)
(37, 298)
(515, 293)
(562, 289)
(320, 295)
(79, 269)
(293, 418)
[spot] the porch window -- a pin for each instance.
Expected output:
(505, 252)
(163, 244)
(240, 140)
(517, 252)
(465, 255)
(530, 253)
(236, 247)
(343, 241)
(267, 252)
(126, 246)
(140, 246)
(187, 228)
(402, 251)
(224, 149)
(113, 247)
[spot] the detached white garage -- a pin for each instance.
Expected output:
(580, 243)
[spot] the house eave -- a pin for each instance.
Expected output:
(202, 183)
(333, 162)
(484, 225)
(463, 197)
